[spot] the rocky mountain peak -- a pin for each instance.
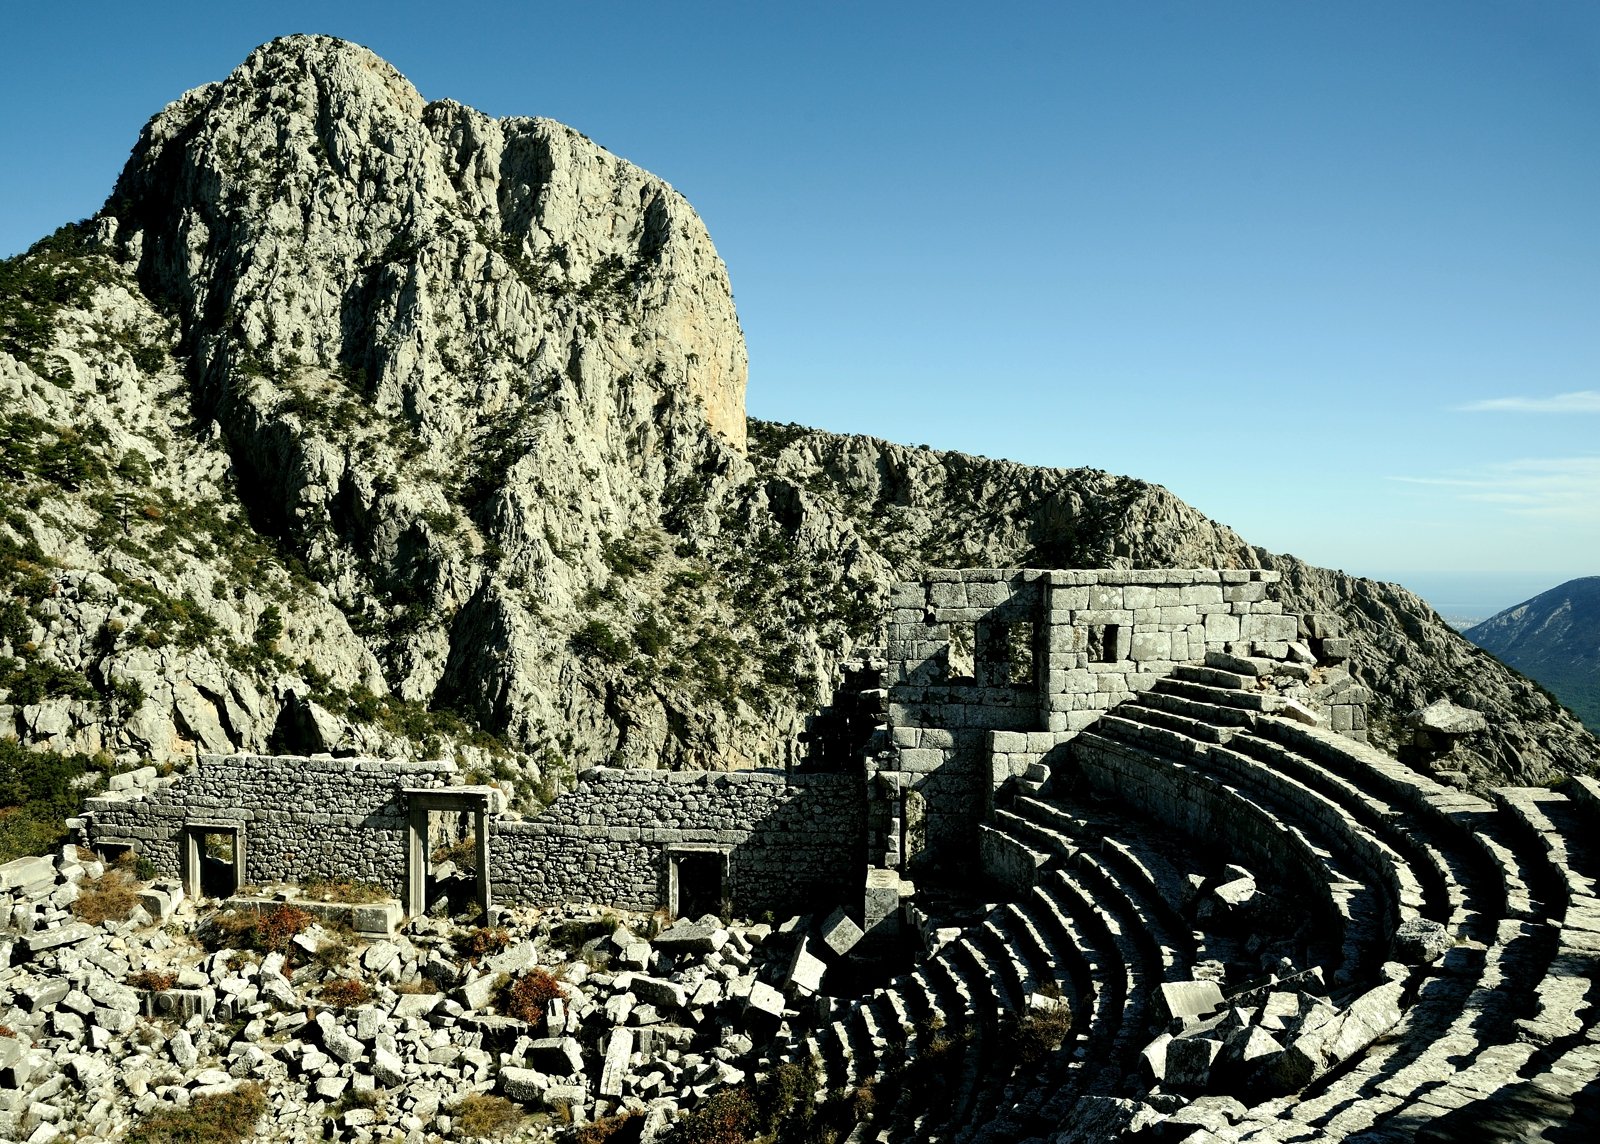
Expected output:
(311, 214)
(359, 423)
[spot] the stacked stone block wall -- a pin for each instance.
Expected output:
(1050, 652)
(793, 841)
(300, 817)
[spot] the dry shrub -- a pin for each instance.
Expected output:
(527, 996)
(153, 979)
(333, 955)
(623, 1129)
(215, 1118)
(478, 1115)
(108, 898)
(1041, 1032)
(727, 1117)
(7, 1031)
(343, 992)
(229, 929)
(352, 892)
(481, 941)
(279, 927)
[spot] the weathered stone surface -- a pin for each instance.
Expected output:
(1418, 941)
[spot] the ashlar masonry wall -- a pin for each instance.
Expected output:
(991, 669)
(299, 817)
(793, 841)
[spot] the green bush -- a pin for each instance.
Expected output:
(37, 795)
(596, 640)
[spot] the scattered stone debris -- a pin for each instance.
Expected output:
(572, 1014)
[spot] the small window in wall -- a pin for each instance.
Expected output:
(1019, 654)
(963, 664)
(1103, 643)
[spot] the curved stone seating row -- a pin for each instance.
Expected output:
(1515, 942)
(1140, 767)
(1533, 956)
(1508, 1017)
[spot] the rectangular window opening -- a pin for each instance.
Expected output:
(963, 665)
(1020, 654)
(1103, 643)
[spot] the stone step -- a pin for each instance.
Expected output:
(862, 1033)
(1155, 714)
(1549, 821)
(1006, 857)
(1585, 794)
(1146, 737)
(1157, 881)
(1215, 676)
(1341, 832)
(1088, 965)
(1216, 714)
(1393, 892)
(1009, 931)
(1124, 979)
(1053, 817)
(1014, 966)
(1202, 806)
(1438, 866)
(1261, 701)
(1160, 952)
(1245, 665)
(1034, 834)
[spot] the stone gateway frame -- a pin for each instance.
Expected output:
(697, 880)
(476, 801)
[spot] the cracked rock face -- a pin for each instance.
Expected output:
(360, 423)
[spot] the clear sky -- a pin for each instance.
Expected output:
(1328, 271)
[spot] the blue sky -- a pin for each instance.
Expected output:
(1329, 272)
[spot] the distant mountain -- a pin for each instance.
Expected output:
(1555, 639)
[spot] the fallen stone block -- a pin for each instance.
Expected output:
(1189, 1061)
(69, 934)
(805, 972)
(28, 875)
(1188, 1000)
(661, 994)
(15, 1065)
(839, 933)
(684, 936)
(478, 993)
(766, 1000)
(527, 1086)
(555, 1056)
(619, 1048)
(416, 1004)
(1321, 1046)
(1420, 941)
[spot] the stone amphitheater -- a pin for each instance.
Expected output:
(1267, 930)
(1264, 928)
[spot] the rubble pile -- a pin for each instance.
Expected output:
(104, 1024)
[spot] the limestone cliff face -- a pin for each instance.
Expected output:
(356, 422)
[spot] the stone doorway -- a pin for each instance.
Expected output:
(697, 881)
(213, 859)
(467, 846)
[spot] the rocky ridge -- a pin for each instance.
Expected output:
(1554, 638)
(355, 422)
